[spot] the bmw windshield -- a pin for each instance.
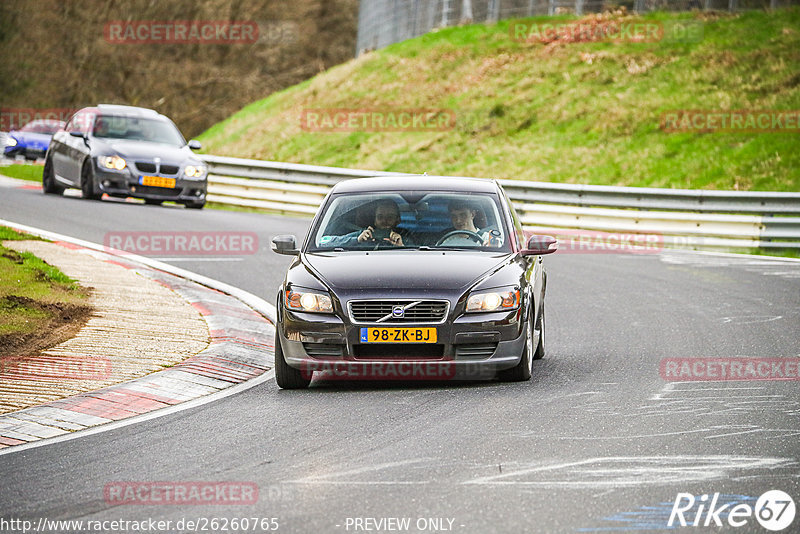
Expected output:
(418, 220)
(137, 129)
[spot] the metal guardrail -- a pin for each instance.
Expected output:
(679, 217)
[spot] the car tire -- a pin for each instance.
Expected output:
(153, 202)
(88, 185)
(49, 185)
(195, 205)
(287, 377)
(539, 354)
(522, 371)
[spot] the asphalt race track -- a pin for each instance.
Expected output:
(597, 441)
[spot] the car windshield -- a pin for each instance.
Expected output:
(426, 220)
(42, 127)
(137, 129)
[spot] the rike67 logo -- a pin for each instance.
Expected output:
(774, 511)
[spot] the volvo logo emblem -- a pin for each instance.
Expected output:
(398, 311)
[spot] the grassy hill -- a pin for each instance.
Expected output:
(562, 112)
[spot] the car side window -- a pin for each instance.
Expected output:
(80, 122)
(520, 233)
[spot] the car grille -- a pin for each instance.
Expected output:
(372, 311)
(323, 350)
(152, 190)
(428, 351)
(475, 351)
(147, 166)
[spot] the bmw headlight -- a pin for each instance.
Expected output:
(112, 162)
(10, 141)
(194, 171)
(308, 301)
(502, 299)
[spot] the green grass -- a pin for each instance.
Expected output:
(572, 113)
(23, 171)
(9, 234)
(29, 288)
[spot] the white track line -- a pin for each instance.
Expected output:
(257, 303)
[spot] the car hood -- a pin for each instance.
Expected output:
(413, 269)
(140, 150)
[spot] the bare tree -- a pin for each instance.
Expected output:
(466, 12)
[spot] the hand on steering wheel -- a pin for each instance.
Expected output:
(469, 234)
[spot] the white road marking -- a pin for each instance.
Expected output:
(327, 478)
(233, 390)
(198, 259)
(613, 472)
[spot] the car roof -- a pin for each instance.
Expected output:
(415, 182)
(127, 111)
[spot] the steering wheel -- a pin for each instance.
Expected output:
(467, 233)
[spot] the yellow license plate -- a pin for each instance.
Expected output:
(398, 335)
(158, 181)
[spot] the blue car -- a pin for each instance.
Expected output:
(32, 140)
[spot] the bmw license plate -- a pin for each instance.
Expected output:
(398, 335)
(157, 181)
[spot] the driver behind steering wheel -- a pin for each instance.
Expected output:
(383, 232)
(462, 215)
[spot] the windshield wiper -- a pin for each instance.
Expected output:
(441, 248)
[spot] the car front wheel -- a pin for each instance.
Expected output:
(539, 354)
(195, 205)
(522, 371)
(49, 185)
(287, 377)
(88, 185)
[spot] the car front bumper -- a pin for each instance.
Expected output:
(471, 346)
(126, 184)
(22, 150)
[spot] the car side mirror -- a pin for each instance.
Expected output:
(81, 135)
(285, 244)
(194, 144)
(539, 245)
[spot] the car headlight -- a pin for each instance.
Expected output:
(503, 299)
(112, 162)
(194, 171)
(10, 141)
(308, 301)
